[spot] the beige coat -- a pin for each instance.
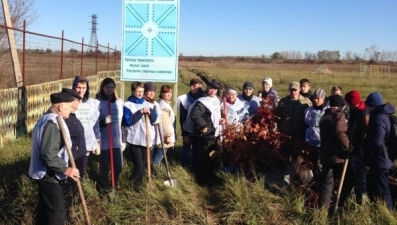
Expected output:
(166, 125)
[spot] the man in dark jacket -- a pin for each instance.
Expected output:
(291, 110)
(334, 148)
(203, 123)
(375, 151)
(184, 102)
(356, 131)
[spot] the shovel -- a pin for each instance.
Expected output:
(170, 182)
(340, 186)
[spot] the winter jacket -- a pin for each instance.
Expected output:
(377, 133)
(49, 158)
(313, 115)
(334, 140)
(252, 103)
(135, 122)
(167, 122)
(76, 129)
(184, 102)
(357, 128)
(292, 114)
(116, 112)
(204, 113)
(273, 95)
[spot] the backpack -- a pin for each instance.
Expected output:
(391, 142)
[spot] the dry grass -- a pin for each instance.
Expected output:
(344, 75)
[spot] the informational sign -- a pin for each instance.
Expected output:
(150, 40)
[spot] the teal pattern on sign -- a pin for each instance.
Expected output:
(150, 30)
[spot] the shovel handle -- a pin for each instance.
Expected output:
(110, 131)
(164, 153)
(340, 185)
(149, 176)
(60, 122)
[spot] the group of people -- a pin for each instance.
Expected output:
(335, 127)
(103, 125)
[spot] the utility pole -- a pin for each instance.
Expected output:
(12, 46)
(93, 38)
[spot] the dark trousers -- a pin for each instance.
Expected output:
(186, 155)
(51, 206)
(104, 167)
(329, 174)
(378, 186)
(356, 170)
(81, 165)
(202, 164)
(139, 157)
(314, 159)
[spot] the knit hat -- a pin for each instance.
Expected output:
(294, 85)
(353, 97)
(249, 85)
(61, 97)
(213, 84)
(320, 93)
(268, 80)
(336, 101)
(374, 99)
(149, 86)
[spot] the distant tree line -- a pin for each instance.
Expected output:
(371, 54)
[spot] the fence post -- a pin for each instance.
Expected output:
(62, 42)
(115, 56)
(82, 57)
(96, 57)
(107, 59)
(23, 53)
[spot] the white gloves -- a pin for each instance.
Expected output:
(97, 149)
(108, 119)
(123, 145)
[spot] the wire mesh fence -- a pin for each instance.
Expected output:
(44, 58)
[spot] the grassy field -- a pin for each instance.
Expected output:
(235, 201)
(345, 75)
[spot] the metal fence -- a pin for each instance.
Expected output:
(45, 58)
(21, 107)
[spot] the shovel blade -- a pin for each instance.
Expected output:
(174, 183)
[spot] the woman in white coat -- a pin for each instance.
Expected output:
(167, 124)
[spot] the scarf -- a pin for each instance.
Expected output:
(136, 100)
(148, 99)
(247, 98)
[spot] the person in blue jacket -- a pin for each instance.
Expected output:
(133, 118)
(375, 151)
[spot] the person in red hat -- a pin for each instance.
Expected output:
(357, 125)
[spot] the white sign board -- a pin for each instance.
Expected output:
(150, 37)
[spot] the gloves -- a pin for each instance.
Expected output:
(108, 119)
(97, 149)
(123, 145)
